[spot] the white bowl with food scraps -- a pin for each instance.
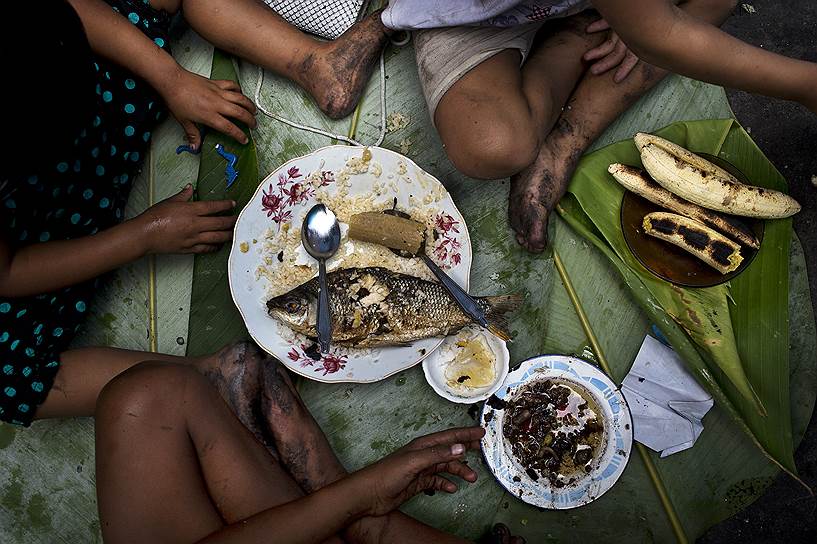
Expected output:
(558, 432)
(468, 367)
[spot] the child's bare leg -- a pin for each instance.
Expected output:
(596, 102)
(309, 458)
(234, 371)
(173, 463)
(334, 73)
(83, 373)
(493, 120)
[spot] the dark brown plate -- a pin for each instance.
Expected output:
(670, 262)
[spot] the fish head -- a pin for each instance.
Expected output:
(295, 309)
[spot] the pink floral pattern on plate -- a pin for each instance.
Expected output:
(292, 189)
(446, 245)
(329, 362)
(283, 198)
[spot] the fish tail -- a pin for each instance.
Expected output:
(498, 306)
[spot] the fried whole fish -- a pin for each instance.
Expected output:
(377, 307)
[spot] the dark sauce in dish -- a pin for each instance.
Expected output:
(555, 431)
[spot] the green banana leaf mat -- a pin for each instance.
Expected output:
(763, 332)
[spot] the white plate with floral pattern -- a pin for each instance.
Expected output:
(612, 457)
(348, 180)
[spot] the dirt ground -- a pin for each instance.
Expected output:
(787, 133)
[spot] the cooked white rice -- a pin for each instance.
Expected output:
(285, 264)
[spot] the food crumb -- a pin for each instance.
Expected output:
(397, 120)
(244, 247)
(405, 146)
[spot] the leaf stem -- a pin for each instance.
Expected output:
(152, 327)
(666, 502)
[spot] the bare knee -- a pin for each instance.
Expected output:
(146, 390)
(501, 149)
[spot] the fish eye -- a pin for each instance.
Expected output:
(293, 306)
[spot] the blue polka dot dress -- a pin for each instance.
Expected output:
(81, 194)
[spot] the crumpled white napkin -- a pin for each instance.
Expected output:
(666, 402)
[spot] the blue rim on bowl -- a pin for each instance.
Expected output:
(608, 465)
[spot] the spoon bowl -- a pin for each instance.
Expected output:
(320, 235)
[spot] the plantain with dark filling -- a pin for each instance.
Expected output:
(695, 238)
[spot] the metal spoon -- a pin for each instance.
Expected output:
(320, 235)
(465, 301)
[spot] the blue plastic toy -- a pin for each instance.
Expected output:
(188, 148)
(231, 173)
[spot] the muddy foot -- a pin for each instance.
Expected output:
(235, 371)
(535, 191)
(301, 444)
(338, 73)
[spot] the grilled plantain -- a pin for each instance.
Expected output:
(637, 181)
(707, 244)
(695, 179)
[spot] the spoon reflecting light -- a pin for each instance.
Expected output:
(320, 235)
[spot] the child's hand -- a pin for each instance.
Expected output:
(416, 467)
(194, 99)
(610, 54)
(176, 225)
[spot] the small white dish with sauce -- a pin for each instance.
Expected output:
(468, 367)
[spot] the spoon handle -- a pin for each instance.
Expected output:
(465, 301)
(324, 318)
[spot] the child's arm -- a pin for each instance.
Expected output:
(375, 490)
(171, 226)
(660, 33)
(191, 98)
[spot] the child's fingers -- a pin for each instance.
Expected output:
(419, 461)
(214, 237)
(610, 61)
(627, 65)
(459, 469)
(224, 126)
(463, 435)
(227, 85)
(183, 195)
(210, 207)
(597, 26)
(438, 483)
(237, 112)
(222, 222)
(203, 248)
(240, 100)
(192, 134)
(603, 50)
